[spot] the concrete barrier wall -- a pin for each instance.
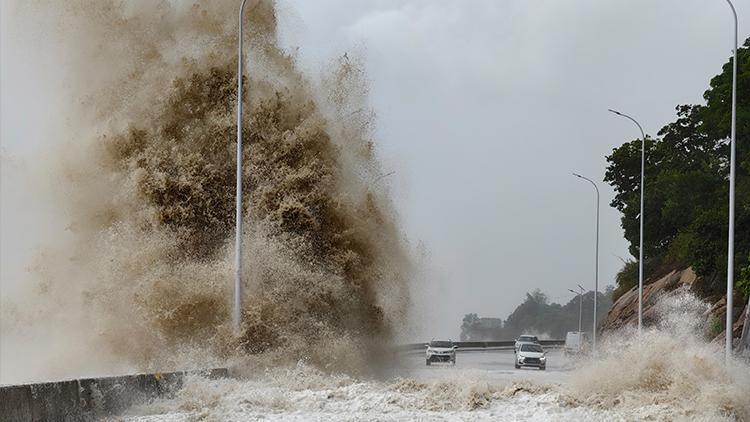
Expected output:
(90, 398)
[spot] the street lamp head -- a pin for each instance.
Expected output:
(577, 175)
(614, 111)
(573, 291)
(581, 287)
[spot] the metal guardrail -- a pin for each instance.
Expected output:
(476, 344)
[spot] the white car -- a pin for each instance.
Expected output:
(530, 354)
(524, 339)
(440, 351)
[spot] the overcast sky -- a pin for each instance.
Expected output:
(484, 110)
(486, 107)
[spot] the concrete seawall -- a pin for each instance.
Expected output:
(90, 398)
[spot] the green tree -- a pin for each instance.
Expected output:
(686, 207)
(468, 325)
(537, 315)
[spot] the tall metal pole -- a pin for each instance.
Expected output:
(580, 306)
(641, 217)
(730, 252)
(237, 312)
(596, 265)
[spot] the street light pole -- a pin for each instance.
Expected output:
(596, 265)
(730, 252)
(580, 306)
(640, 218)
(237, 312)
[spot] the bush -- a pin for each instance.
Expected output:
(743, 282)
(626, 279)
(715, 327)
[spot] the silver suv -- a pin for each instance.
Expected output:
(440, 351)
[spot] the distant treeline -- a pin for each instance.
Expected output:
(536, 315)
(686, 189)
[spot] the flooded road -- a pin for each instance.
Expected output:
(493, 365)
(483, 385)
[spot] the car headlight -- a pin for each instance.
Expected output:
(543, 358)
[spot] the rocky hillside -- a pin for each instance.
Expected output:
(624, 311)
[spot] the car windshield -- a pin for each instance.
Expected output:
(531, 348)
(441, 344)
(527, 338)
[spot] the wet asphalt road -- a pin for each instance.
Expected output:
(490, 365)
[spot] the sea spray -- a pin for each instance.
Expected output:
(669, 373)
(145, 182)
(670, 368)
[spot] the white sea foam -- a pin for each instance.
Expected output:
(670, 372)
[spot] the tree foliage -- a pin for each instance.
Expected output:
(686, 190)
(469, 325)
(537, 315)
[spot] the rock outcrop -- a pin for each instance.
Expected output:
(625, 310)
